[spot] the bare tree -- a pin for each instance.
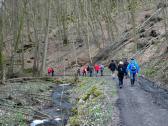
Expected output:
(2, 68)
(46, 37)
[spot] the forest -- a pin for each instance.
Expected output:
(68, 35)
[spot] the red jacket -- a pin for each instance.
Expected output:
(97, 67)
(49, 70)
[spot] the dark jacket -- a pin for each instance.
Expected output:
(120, 71)
(112, 66)
(90, 68)
(125, 65)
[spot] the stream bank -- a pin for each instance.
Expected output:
(22, 101)
(58, 102)
(59, 109)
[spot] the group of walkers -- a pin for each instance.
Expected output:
(90, 70)
(125, 68)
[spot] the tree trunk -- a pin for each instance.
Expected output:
(164, 11)
(88, 35)
(46, 37)
(2, 60)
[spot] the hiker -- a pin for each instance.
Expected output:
(133, 68)
(125, 68)
(78, 72)
(112, 67)
(97, 69)
(84, 70)
(101, 69)
(120, 74)
(49, 71)
(52, 71)
(90, 70)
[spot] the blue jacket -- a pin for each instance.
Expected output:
(133, 62)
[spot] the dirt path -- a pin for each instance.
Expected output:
(138, 107)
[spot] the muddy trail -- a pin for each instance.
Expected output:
(142, 105)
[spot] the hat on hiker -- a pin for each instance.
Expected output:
(133, 58)
(121, 62)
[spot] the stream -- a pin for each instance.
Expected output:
(60, 109)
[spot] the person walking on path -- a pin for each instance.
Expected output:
(52, 72)
(120, 74)
(78, 71)
(101, 69)
(112, 67)
(125, 68)
(90, 69)
(49, 71)
(97, 69)
(84, 70)
(133, 68)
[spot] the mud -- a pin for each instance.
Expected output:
(159, 95)
(142, 105)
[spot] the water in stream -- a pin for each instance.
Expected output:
(60, 109)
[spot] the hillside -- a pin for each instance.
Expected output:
(39, 36)
(87, 32)
(152, 46)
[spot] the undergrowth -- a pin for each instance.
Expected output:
(92, 106)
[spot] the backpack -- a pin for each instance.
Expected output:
(88, 68)
(133, 67)
(101, 67)
(120, 70)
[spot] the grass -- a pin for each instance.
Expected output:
(91, 99)
(19, 106)
(92, 105)
(28, 70)
(149, 72)
(18, 118)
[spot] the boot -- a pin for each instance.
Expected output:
(132, 82)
